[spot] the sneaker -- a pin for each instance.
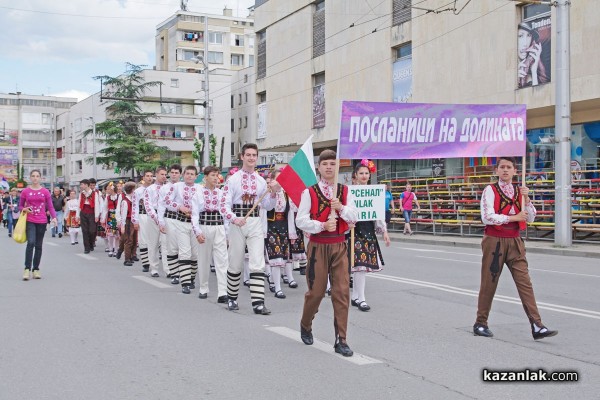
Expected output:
(36, 274)
(26, 275)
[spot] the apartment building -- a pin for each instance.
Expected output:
(27, 136)
(422, 52)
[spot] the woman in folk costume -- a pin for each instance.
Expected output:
(109, 219)
(366, 246)
(297, 247)
(73, 223)
(101, 228)
(277, 243)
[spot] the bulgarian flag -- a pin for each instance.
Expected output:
(299, 174)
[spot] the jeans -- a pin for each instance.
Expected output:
(407, 214)
(59, 223)
(35, 239)
(12, 222)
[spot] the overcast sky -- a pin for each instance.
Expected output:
(56, 47)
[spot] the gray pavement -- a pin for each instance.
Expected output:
(94, 329)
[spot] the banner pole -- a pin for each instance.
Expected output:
(352, 248)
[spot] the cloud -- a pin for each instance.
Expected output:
(79, 95)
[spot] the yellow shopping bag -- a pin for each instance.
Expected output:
(20, 231)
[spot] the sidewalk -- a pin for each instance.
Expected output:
(533, 246)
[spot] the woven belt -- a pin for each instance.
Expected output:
(178, 216)
(210, 218)
(241, 210)
(142, 209)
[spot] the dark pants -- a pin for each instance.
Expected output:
(35, 239)
(129, 240)
(12, 222)
(88, 230)
(327, 260)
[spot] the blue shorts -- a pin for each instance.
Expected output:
(407, 214)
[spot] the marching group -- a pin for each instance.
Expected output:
(247, 229)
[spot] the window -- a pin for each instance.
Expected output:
(46, 119)
(251, 60)
(232, 125)
(245, 78)
(187, 55)
(245, 97)
(318, 100)
(262, 97)
(237, 40)
(404, 51)
(262, 55)
(78, 166)
(319, 30)
(245, 122)
(232, 150)
(175, 83)
(401, 11)
(215, 57)
(240, 125)
(237, 59)
(533, 10)
(192, 36)
(35, 153)
(215, 37)
(251, 42)
(231, 101)
(240, 102)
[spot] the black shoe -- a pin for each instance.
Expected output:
(329, 292)
(343, 349)
(73, 244)
(10, 235)
(543, 333)
(272, 288)
(293, 284)
(175, 280)
(185, 290)
(351, 282)
(60, 235)
(118, 256)
(232, 305)
(212, 268)
(247, 283)
(285, 279)
(76, 242)
(53, 235)
(482, 330)
(261, 309)
(306, 336)
(86, 252)
(202, 295)
(134, 258)
(303, 271)
(354, 302)
(92, 248)
(363, 306)
(145, 269)
(222, 299)
(128, 263)
(192, 285)
(154, 275)
(280, 295)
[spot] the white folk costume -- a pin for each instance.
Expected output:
(240, 193)
(151, 233)
(139, 216)
(208, 221)
(73, 222)
(181, 195)
(111, 227)
(165, 222)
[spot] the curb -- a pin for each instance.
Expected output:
(550, 250)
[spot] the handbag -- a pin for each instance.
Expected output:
(20, 231)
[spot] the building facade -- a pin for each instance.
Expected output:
(485, 53)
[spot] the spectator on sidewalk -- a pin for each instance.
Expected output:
(58, 202)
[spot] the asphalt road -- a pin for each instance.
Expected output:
(94, 329)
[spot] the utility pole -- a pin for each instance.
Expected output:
(95, 170)
(562, 123)
(206, 98)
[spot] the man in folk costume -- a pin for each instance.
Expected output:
(127, 229)
(99, 227)
(504, 217)
(207, 223)
(89, 214)
(241, 191)
(167, 228)
(179, 198)
(139, 218)
(327, 250)
(150, 232)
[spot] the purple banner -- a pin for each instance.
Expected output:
(415, 131)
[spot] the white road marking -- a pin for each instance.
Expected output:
(506, 299)
(91, 258)
(437, 251)
(51, 244)
(446, 259)
(152, 281)
(357, 358)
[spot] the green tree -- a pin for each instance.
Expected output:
(198, 152)
(126, 146)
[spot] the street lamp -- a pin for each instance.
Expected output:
(95, 173)
(206, 147)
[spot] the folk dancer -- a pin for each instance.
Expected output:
(207, 223)
(179, 198)
(140, 220)
(241, 191)
(327, 250)
(366, 246)
(127, 229)
(155, 240)
(109, 219)
(503, 216)
(167, 227)
(73, 224)
(89, 206)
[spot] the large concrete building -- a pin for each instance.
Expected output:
(28, 129)
(311, 56)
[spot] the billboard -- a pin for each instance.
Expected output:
(534, 52)
(9, 137)
(9, 157)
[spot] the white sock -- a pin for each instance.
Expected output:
(288, 271)
(538, 329)
(358, 288)
(246, 269)
(276, 277)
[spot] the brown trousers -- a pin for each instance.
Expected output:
(327, 260)
(129, 240)
(511, 251)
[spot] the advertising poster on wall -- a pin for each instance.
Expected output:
(534, 52)
(261, 131)
(402, 80)
(318, 106)
(438, 170)
(9, 137)
(9, 157)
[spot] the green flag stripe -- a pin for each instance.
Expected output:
(303, 168)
